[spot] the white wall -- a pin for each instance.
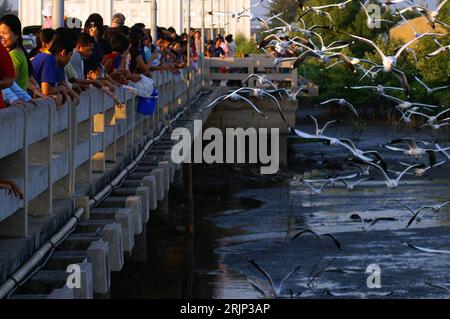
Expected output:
(171, 13)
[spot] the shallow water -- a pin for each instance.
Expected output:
(239, 215)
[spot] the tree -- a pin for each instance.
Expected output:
(5, 8)
(332, 82)
(287, 7)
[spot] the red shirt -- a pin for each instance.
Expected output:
(6, 69)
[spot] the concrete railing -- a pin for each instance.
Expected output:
(50, 153)
(240, 68)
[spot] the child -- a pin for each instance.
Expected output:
(108, 88)
(116, 62)
(49, 68)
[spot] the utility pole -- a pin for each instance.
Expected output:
(154, 20)
(58, 14)
(202, 41)
(212, 20)
(189, 33)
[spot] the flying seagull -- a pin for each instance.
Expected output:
(341, 102)
(322, 130)
(427, 250)
(431, 90)
(275, 291)
(317, 236)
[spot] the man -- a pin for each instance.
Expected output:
(47, 14)
(198, 42)
(83, 51)
(118, 20)
(231, 46)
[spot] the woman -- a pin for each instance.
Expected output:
(11, 35)
(137, 63)
(94, 26)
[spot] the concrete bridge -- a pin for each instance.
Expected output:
(92, 174)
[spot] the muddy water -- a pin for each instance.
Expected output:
(241, 215)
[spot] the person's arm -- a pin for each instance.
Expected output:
(70, 92)
(141, 64)
(95, 83)
(9, 96)
(6, 82)
(48, 89)
(152, 59)
(11, 188)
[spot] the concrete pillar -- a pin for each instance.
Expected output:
(165, 166)
(58, 14)
(135, 203)
(64, 293)
(142, 192)
(154, 20)
(121, 216)
(112, 233)
(98, 255)
(160, 188)
(150, 182)
(131, 202)
(86, 292)
(202, 53)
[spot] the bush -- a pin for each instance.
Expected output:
(245, 46)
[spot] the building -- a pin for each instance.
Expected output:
(171, 13)
(406, 34)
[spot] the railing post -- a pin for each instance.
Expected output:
(40, 156)
(251, 70)
(207, 69)
(16, 225)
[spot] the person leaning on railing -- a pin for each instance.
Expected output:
(7, 77)
(75, 69)
(11, 35)
(7, 73)
(116, 62)
(45, 68)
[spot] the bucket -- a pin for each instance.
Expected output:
(147, 105)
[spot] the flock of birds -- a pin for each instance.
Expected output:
(425, 156)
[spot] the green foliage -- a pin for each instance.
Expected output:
(333, 82)
(246, 46)
(287, 7)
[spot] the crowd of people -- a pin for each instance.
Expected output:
(67, 61)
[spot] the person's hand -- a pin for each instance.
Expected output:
(97, 84)
(38, 94)
(120, 106)
(76, 88)
(135, 77)
(19, 103)
(65, 97)
(85, 87)
(12, 189)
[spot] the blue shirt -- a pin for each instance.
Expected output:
(44, 69)
(60, 74)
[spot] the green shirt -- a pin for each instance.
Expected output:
(20, 66)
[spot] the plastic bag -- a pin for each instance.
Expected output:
(144, 87)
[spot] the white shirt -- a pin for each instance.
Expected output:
(77, 64)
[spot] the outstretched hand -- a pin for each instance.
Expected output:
(12, 189)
